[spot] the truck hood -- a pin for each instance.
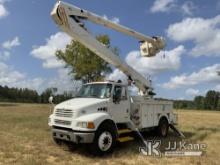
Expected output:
(80, 103)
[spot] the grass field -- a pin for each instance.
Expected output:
(25, 139)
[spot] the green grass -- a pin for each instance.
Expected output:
(25, 139)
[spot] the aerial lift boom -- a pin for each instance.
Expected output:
(70, 19)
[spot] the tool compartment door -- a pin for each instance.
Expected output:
(147, 115)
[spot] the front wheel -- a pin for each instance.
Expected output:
(57, 141)
(105, 139)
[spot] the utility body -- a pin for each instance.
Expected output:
(104, 112)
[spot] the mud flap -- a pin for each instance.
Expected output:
(178, 132)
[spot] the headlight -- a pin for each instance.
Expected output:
(83, 124)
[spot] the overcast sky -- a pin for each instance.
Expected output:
(29, 39)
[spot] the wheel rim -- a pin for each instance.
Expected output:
(105, 141)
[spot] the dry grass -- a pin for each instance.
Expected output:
(25, 139)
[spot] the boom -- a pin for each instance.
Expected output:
(69, 18)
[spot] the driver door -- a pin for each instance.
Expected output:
(120, 105)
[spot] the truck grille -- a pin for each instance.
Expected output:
(62, 122)
(64, 112)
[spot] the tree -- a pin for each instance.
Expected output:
(183, 104)
(47, 93)
(218, 106)
(211, 100)
(199, 102)
(84, 64)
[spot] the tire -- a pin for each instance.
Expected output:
(57, 141)
(163, 127)
(105, 139)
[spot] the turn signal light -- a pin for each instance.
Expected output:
(90, 125)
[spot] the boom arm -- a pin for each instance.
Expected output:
(68, 18)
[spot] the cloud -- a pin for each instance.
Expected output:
(8, 75)
(205, 34)
(162, 6)
(52, 63)
(114, 19)
(13, 78)
(157, 64)
(117, 75)
(11, 43)
(3, 10)
(205, 75)
(37, 84)
(152, 65)
(3, 1)
(4, 55)
(46, 52)
(7, 46)
(63, 81)
(217, 88)
(187, 8)
(192, 92)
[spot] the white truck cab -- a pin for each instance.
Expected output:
(102, 111)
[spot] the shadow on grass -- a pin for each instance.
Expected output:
(131, 147)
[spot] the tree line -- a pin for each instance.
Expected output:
(25, 95)
(211, 101)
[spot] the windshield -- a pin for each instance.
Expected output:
(95, 90)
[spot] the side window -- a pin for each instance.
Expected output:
(120, 93)
(117, 91)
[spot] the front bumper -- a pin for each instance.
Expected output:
(73, 136)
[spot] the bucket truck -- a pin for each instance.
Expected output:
(103, 113)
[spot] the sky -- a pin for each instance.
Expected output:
(29, 39)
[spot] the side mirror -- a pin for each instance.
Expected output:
(50, 100)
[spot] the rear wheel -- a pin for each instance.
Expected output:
(163, 127)
(105, 139)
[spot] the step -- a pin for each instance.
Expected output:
(121, 131)
(125, 139)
